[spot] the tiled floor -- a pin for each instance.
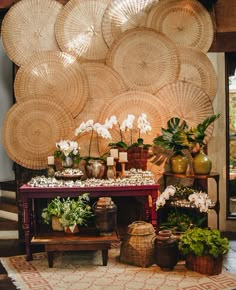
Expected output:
(14, 247)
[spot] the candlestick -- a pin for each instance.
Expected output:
(114, 153)
(123, 157)
(110, 172)
(110, 160)
(50, 160)
(122, 174)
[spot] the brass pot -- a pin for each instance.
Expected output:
(179, 163)
(201, 163)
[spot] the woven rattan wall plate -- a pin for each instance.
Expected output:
(145, 59)
(188, 102)
(78, 29)
(186, 22)
(136, 103)
(196, 68)
(28, 27)
(32, 128)
(122, 15)
(104, 86)
(57, 75)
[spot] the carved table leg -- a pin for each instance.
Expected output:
(104, 257)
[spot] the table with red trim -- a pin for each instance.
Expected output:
(29, 194)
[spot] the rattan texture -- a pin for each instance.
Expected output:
(78, 29)
(32, 128)
(136, 103)
(28, 27)
(122, 15)
(54, 74)
(187, 102)
(186, 22)
(196, 68)
(137, 247)
(104, 86)
(145, 59)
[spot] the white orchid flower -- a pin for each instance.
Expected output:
(171, 190)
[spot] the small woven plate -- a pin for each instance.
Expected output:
(78, 29)
(28, 27)
(186, 22)
(187, 102)
(55, 74)
(145, 59)
(122, 15)
(32, 128)
(196, 68)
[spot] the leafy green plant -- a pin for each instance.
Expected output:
(69, 211)
(200, 242)
(175, 136)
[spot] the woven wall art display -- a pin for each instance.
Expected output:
(187, 102)
(55, 74)
(28, 27)
(122, 15)
(186, 22)
(32, 128)
(78, 29)
(145, 59)
(196, 68)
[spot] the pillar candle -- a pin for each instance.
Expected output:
(114, 153)
(50, 160)
(110, 160)
(123, 157)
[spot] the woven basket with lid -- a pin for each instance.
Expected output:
(137, 248)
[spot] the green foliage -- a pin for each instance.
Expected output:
(69, 211)
(202, 242)
(175, 136)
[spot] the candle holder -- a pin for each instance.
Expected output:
(110, 172)
(122, 174)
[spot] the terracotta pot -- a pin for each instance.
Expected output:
(71, 229)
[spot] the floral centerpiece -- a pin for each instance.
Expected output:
(180, 199)
(68, 152)
(70, 212)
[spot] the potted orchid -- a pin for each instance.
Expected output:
(95, 165)
(68, 152)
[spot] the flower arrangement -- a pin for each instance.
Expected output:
(127, 125)
(70, 212)
(190, 198)
(67, 148)
(94, 128)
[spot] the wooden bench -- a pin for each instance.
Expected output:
(76, 242)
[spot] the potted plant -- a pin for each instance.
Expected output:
(175, 140)
(68, 152)
(203, 249)
(69, 212)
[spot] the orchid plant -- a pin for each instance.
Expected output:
(127, 125)
(94, 128)
(67, 148)
(195, 199)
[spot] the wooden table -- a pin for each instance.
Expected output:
(29, 194)
(89, 241)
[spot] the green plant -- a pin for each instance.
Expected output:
(69, 211)
(175, 136)
(200, 242)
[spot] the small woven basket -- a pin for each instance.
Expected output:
(138, 248)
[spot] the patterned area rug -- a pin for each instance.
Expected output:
(84, 270)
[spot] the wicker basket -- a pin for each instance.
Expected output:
(204, 264)
(138, 248)
(56, 226)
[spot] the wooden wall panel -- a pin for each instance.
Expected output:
(225, 14)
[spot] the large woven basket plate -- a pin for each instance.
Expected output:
(55, 74)
(196, 68)
(186, 22)
(122, 15)
(136, 103)
(187, 102)
(78, 29)
(145, 59)
(28, 27)
(31, 130)
(104, 86)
